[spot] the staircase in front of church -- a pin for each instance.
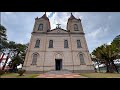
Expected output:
(58, 72)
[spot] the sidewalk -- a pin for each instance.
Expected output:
(60, 74)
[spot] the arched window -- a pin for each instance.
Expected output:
(34, 59)
(81, 59)
(37, 45)
(75, 27)
(65, 43)
(78, 44)
(40, 28)
(51, 44)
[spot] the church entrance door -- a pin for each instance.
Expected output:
(58, 64)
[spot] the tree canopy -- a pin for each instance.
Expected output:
(3, 37)
(106, 54)
(18, 50)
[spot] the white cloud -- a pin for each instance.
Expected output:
(99, 27)
(48, 13)
(59, 18)
(95, 33)
(109, 43)
(28, 35)
(8, 12)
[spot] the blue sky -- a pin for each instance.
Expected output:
(99, 27)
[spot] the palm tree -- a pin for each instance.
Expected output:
(113, 55)
(116, 41)
(94, 59)
(3, 42)
(19, 55)
(98, 56)
(107, 54)
(3, 33)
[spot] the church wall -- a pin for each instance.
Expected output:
(40, 60)
(83, 68)
(58, 46)
(41, 37)
(29, 59)
(33, 68)
(58, 42)
(32, 50)
(71, 26)
(67, 59)
(74, 39)
(46, 56)
(50, 60)
(76, 58)
(42, 21)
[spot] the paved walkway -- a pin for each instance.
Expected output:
(60, 74)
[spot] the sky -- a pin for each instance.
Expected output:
(99, 27)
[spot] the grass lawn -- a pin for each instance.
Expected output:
(16, 75)
(101, 75)
(89, 75)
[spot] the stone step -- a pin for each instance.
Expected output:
(58, 72)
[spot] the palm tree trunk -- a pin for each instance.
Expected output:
(107, 70)
(2, 57)
(98, 66)
(114, 66)
(94, 68)
(107, 67)
(5, 62)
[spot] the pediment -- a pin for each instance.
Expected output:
(58, 30)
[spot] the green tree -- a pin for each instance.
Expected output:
(3, 33)
(19, 56)
(98, 56)
(3, 37)
(19, 50)
(3, 41)
(12, 45)
(116, 41)
(94, 59)
(16, 61)
(107, 54)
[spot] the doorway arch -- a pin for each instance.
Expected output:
(58, 61)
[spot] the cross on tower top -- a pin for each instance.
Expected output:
(58, 25)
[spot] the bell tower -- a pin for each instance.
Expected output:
(42, 24)
(74, 25)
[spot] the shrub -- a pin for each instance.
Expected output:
(21, 72)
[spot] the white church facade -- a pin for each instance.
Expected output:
(58, 49)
